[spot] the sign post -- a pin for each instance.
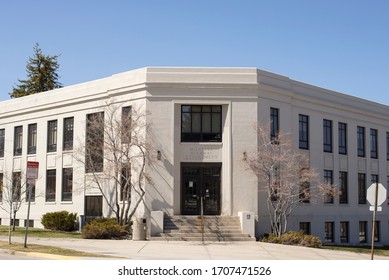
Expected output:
(32, 175)
(376, 195)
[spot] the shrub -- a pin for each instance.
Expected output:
(62, 220)
(294, 238)
(104, 228)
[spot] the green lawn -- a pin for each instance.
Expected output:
(33, 248)
(381, 251)
(38, 232)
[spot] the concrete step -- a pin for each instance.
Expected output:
(189, 228)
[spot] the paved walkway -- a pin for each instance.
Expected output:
(164, 250)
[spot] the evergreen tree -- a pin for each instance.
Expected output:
(41, 74)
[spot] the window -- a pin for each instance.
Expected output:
(274, 124)
(51, 179)
(327, 136)
(126, 124)
(343, 198)
(30, 223)
(362, 232)
(361, 188)
(125, 183)
(304, 195)
(303, 132)
(2, 142)
(93, 207)
(201, 123)
(52, 136)
(342, 131)
(373, 143)
(68, 132)
(32, 188)
(329, 232)
(374, 178)
(16, 186)
(67, 184)
(94, 144)
(377, 232)
(31, 149)
(344, 232)
(305, 227)
(328, 178)
(15, 221)
(387, 145)
(361, 141)
(18, 140)
(1, 186)
(387, 185)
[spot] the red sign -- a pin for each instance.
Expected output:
(32, 169)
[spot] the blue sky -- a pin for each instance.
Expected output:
(339, 45)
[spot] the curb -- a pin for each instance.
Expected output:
(40, 255)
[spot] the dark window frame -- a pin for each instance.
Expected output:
(16, 186)
(387, 146)
(51, 183)
(305, 227)
(94, 153)
(344, 232)
(327, 136)
(274, 124)
(342, 135)
(2, 142)
(373, 143)
(343, 187)
(303, 132)
(68, 133)
(361, 141)
(32, 138)
(126, 125)
(329, 232)
(52, 135)
(18, 140)
(193, 127)
(363, 231)
(329, 178)
(362, 188)
(67, 184)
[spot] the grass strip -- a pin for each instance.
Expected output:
(379, 251)
(38, 232)
(33, 248)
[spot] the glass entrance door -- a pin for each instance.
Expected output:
(200, 182)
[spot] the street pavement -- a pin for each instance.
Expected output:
(180, 250)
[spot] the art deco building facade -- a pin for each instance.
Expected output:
(201, 123)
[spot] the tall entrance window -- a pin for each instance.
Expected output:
(201, 123)
(200, 182)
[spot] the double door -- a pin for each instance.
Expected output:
(200, 188)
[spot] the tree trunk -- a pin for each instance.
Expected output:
(10, 225)
(14, 221)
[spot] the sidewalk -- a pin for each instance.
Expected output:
(164, 250)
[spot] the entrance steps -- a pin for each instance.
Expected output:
(189, 228)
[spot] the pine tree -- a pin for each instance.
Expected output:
(41, 74)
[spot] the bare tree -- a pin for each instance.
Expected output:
(284, 175)
(115, 158)
(13, 196)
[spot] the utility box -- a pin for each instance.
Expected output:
(139, 228)
(247, 222)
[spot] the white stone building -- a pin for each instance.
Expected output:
(201, 123)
